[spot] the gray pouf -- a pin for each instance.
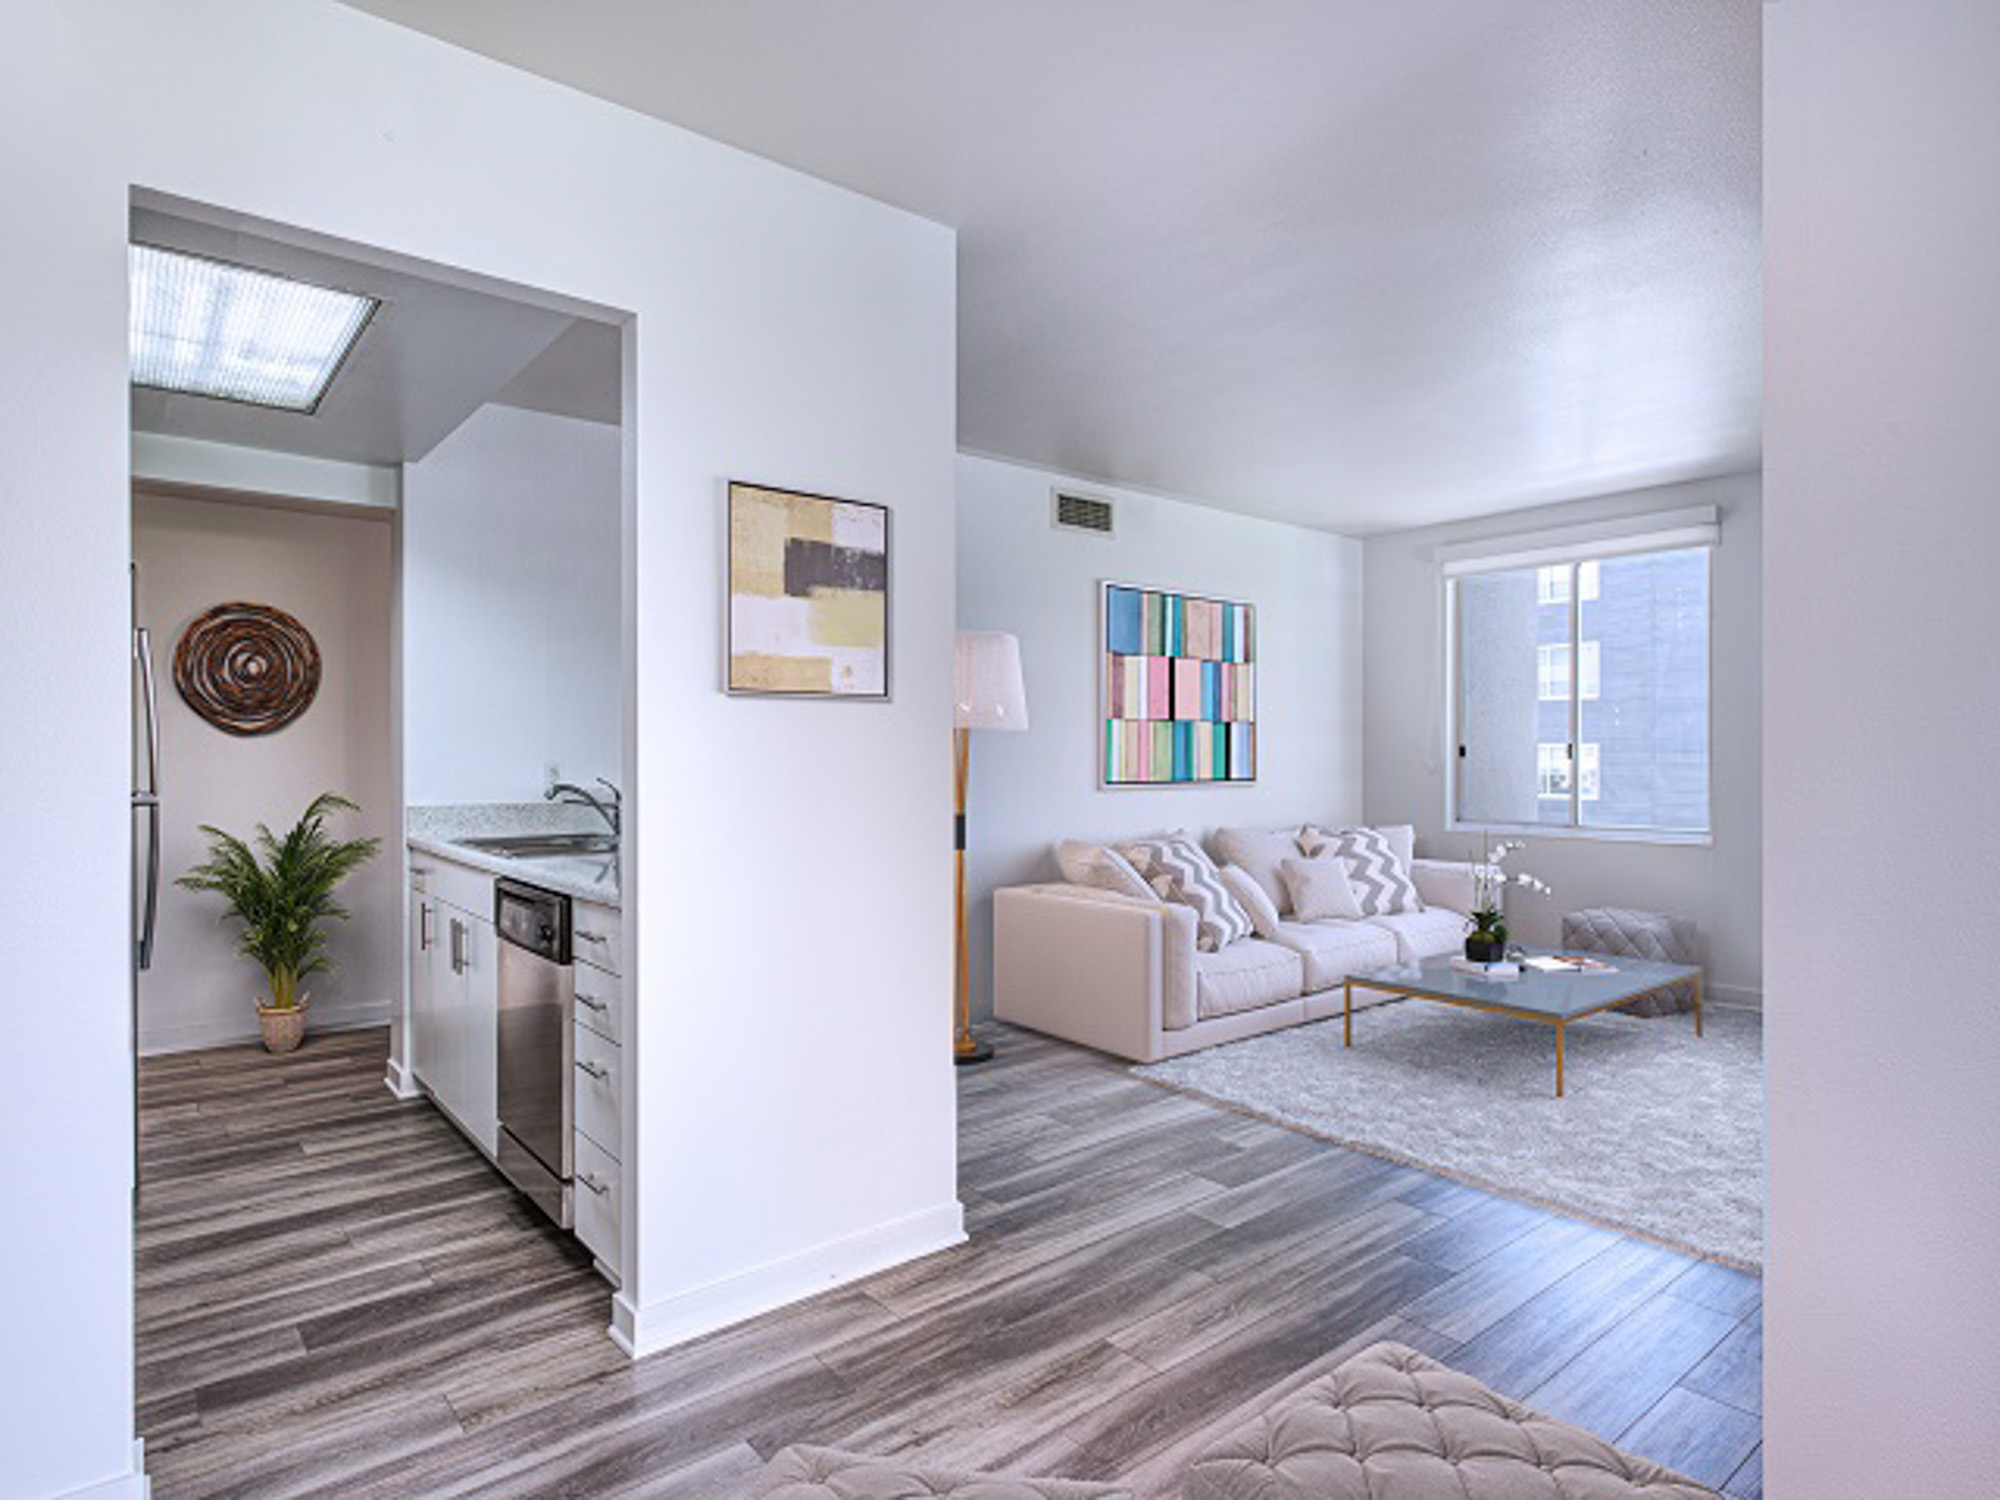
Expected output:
(1391, 1424)
(804, 1473)
(1620, 932)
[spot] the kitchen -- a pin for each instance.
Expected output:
(442, 522)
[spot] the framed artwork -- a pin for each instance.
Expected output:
(1179, 699)
(808, 595)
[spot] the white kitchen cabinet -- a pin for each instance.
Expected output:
(423, 979)
(455, 996)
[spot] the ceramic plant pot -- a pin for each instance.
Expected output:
(284, 1026)
(1485, 947)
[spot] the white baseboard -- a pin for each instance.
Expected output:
(401, 1081)
(1733, 994)
(646, 1329)
(195, 1036)
(131, 1486)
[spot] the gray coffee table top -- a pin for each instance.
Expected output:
(1565, 996)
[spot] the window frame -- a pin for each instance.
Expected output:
(1453, 694)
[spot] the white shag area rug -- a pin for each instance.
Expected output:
(1660, 1133)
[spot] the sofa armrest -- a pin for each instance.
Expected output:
(1092, 966)
(1449, 883)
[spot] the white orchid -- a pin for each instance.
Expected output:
(1490, 879)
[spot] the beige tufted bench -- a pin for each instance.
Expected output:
(1393, 1424)
(824, 1474)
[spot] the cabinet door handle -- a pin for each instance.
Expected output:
(457, 946)
(591, 1002)
(595, 1070)
(591, 937)
(589, 1180)
(424, 915)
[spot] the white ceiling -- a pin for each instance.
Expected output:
(433, 354)
(1361, 264)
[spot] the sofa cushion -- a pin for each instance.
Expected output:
(1178, 871)
(1254, 899)
(1381, 880)
(1258, 851)
(1321, 890)
(803, 1473)
(1333, 950)
(1244, 976)
(1424, 934)
(1393, 1424)
(1099, 868)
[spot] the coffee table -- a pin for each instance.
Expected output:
(1554, 999)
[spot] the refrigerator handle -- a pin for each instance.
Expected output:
(149, 796)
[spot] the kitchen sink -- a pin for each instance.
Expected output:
(544, 845)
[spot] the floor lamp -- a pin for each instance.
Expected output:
(990, 696)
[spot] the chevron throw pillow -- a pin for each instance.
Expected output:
(1381, 884)
(1177, 870)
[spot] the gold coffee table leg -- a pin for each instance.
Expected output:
(1559, 1059)
(1347, 1013)
(1697, 1005)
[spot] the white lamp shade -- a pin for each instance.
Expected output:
(990, 691)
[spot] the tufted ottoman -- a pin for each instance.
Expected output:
(1393, 1424)
(803, 1473)
(1618, 931)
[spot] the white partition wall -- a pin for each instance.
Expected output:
(1882, 706)
(790, 863)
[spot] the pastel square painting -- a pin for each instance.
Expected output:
(808, 595)
(1179, 689)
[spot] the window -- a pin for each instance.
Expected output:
(1635, 627)
(1552, 671)
(1552, 583)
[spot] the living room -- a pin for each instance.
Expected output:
(1124, 1238)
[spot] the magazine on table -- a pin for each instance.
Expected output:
(1568, 963)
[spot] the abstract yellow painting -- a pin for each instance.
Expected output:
(808, 594)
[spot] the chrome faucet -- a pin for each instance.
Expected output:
(613, 812)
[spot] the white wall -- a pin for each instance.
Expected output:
(1882, 807)
(332, 573)
(796, 1119)
(1019, 574)
(513, 645)
(1407, 766)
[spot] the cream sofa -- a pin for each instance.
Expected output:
(1121, 973)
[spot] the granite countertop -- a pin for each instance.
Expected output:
(592, 877)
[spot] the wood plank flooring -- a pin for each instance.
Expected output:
(338, 1296)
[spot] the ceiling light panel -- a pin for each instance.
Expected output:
(214, 329)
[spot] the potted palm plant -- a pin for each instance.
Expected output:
(282, 893)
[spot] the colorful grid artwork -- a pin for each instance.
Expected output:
(1180, 689)
(808, 595)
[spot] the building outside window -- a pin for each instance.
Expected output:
(1636, 626)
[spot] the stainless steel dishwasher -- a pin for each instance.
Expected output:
(537, 1045)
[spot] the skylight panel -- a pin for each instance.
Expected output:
(209, 328)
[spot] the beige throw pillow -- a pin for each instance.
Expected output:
(1100, 868)
(1253, 898)
(1321, 890)
(1257, 852)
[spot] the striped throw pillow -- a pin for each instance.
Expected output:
(1177, 870)
(1381, 884)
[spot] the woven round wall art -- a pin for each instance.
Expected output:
(247, 668)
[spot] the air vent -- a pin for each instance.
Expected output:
(1083, 513)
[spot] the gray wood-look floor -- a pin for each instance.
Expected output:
(337, 1295)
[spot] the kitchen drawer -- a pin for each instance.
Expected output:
(599, 1002)
(599, 1195)
(598, 936)
(470, 890)
(598, 1087)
